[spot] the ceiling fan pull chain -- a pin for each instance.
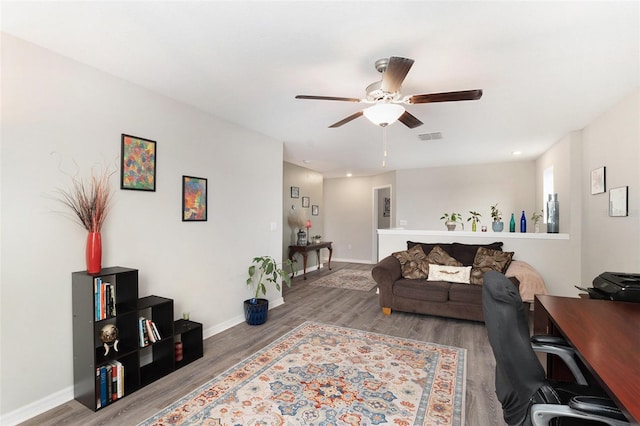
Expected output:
(384, 146)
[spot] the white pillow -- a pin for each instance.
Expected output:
(453, 274)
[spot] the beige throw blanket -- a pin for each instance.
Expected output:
(531, 283)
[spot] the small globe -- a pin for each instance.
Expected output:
(109, 333)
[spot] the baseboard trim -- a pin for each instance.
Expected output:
(366, 262)
(37, 407)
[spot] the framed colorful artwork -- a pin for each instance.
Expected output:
(138, 167)
(194, 199)
(598, 181)
(305, 202)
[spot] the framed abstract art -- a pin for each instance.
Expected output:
(194, 199)
(138, 166)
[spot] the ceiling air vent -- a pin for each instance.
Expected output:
(430, 136)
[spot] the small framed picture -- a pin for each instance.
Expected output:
(194, 199)
(618, 201)
(138, 165)
(295, 192)
(305, 202)
(598, 181)
(315, 210)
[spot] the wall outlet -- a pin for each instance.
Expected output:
(402, 222)
(274, 226)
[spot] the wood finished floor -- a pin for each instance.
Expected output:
(303, 302)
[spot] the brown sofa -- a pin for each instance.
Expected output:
(440, 298)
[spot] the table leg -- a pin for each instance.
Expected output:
(291, 254)
(330, 253)
(318, 256)
(304, 265)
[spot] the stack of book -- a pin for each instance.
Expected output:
(148, 332)
(109, 383)
(105, 299)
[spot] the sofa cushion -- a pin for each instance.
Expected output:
(413, 262)
(447, 247)
(432, 291)
(454, 274)
(437, 256)
(487, 260)
(462, 293)
(466, 253)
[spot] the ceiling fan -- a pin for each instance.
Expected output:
(386, 97)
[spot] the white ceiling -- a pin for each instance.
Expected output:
(546, 68)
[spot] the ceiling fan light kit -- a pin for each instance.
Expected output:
(386, 96)
(383, 114)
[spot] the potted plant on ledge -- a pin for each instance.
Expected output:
(263, 270)
(496, 214)
(451, 220)
(535, 218)
(474, 218)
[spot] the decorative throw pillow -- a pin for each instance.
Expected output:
(437, 256)
(413, 262)
(453, 274)
(487, 260)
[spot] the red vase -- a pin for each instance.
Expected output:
(94, 253)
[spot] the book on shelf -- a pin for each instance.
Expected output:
(109, 383)
(147, 332)
(103, 386)
(105, 299)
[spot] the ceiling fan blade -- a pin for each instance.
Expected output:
(327, 98)
(346, 120)
(409, 120)
(394, 75)
(464, 95)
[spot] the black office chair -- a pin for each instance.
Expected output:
(527, 397)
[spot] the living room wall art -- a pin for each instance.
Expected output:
(295, 192)
(138, 168)
(598, 181)
(305, 202)
(194, 199)
(618, 201)
(315, 210)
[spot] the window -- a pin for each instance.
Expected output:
(547, 188)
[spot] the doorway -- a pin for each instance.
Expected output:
(382, 212)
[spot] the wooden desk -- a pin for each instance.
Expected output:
(304, 250)
(606, 335)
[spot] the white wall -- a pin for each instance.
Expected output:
(423, 195)
(612, 140)
(51, 104)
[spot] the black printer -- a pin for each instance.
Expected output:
(621, 286)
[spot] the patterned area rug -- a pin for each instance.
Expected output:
(348, 278)
(326, 375)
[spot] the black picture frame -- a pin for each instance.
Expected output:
(619, 201)
(194, 199)
(598, 181)
(315, 210)
(295, 192)
(138, 163)
(305, 202)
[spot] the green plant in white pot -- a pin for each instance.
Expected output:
(262, 271)
(451, 220)
(496, 215)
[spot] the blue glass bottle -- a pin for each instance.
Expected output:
(512, 224)
(523, 223)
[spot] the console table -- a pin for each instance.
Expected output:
(304, 251)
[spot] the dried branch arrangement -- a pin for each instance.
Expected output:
(89, 201)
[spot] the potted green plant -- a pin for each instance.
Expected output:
(317, 238)
(474, 218)
(451, 220)
(496, 214)
(262, 271)
(535, 218)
